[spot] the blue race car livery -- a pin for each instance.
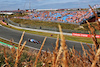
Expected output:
(34, 41)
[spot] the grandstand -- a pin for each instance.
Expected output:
(73, 17)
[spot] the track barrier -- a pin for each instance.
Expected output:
(4, 44)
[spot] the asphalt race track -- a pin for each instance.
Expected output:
(50, 42)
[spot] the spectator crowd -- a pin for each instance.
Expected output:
(59, 16)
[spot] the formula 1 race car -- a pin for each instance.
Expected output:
(34, 41)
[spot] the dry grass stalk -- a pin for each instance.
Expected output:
(59, 54)
(54, 59)
(73, 51)
(57, 44)
(73, 57)
(80, 56)
(61, 48)
(93, 47)
(94, 12)
(63, 42)
(13, 53)
(89, 56)
(94, 36)
(49, 51)
(91, 28)
(53, 46)
(96, 58)
(98, 23)
(92, 52)
(21, 49)
(84, 54)
(65, 61)
(18, 50)
(21, 40)
(63, 45)
(6, 59)
(39, 51)
(46, 58)
(95, 39)
(46, 53)
(90, 48)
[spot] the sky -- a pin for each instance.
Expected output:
(45, 4)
